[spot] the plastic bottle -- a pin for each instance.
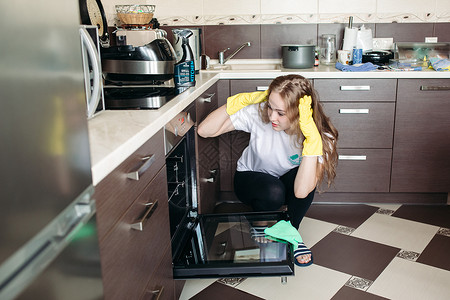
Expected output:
(184, 73)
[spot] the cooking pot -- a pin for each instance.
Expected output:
(298, 56)
(380, 57)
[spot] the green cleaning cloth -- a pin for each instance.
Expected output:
(284, 230)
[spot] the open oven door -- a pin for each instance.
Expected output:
(222, 245)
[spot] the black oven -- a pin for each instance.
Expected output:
(214, 245)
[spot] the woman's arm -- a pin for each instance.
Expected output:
(216, 123)
(306, 178)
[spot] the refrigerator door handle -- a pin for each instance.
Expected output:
(46, 246)
(94, 98)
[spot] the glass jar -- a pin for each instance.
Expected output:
(328, 49)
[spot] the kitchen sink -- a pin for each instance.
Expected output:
(245, 67)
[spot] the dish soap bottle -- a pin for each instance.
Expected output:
(184, 73)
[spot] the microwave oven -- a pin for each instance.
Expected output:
(93, 79)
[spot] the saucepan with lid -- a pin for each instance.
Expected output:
(297, 56)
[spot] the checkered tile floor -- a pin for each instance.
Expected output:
(360, 252)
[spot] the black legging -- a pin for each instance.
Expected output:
(264, 192)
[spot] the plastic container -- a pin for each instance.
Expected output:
(184, 73)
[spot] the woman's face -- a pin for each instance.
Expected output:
(277, 112)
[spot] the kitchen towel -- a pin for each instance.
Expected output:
(366, 67)
(364, 39)
(440, 64)
(284, 230)
(350, 35)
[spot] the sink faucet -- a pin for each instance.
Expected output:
(223, 60)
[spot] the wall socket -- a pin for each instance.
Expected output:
(383, 43)
(431, 39)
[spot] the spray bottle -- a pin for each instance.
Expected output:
(184, 74)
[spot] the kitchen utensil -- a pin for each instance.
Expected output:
(135, 14)
(297, 56)
(379, 57)
(92, 13)
(328, 49)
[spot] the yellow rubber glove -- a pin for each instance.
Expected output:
(239, 101)
(312, 145)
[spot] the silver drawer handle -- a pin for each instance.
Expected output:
(262, 88)
(434, 88)
(355, 87)
(354, 111)
(352, 157)
(147, 162)
(208, 179)
(158, 292)
(209, 97)
(140, 225)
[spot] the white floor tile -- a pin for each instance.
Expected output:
(403, 279)
(396, 232)
(194, 286)
(393, 207)
(313, 230)
(313, 282)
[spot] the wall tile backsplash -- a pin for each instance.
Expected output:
(269, 23)
(213, 12)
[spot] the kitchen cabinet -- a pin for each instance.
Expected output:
(207, 155)
(363, 112)
(133, 221)
(422, 137)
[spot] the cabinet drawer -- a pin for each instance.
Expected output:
(161, 285)
(362, 170)
(356, 89)
(362, 125)
(206, 103)
(130, 256)
(425, 89)
(116, 192)
(248, 85)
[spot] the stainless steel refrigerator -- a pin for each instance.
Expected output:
(48, 236)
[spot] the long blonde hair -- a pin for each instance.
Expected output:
(292, 88)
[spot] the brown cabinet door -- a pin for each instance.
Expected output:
(362, 125)
(207, 156)
(161, 285)
(130, 255)
(208, 173)
(422, 137)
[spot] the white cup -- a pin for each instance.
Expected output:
(344, 57)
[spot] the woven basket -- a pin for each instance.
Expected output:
(135, 18)
(135, 14)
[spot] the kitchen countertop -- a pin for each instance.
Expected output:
(115, 134)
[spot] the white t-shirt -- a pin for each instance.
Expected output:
(269, 151)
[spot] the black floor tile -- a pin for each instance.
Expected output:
(438, 215)
(219, 291)
(348, 293)
(350, 215)
(437, 253)
(352, 255)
